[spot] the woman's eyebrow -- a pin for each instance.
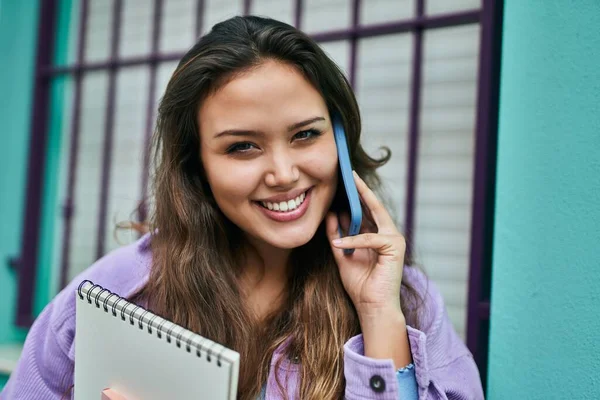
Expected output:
(245, 132)
(309, 121)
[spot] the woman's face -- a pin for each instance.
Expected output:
(270, 158)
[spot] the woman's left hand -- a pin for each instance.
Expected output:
(372, 275)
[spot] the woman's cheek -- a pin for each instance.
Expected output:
(233, 179)
(323, 162)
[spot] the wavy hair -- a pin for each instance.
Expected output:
(196, 262)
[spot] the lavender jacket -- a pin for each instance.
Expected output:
(443, 365)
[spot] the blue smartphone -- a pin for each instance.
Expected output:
(354, 206)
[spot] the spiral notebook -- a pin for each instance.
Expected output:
(141, 356)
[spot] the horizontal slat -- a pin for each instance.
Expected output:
(441, 242)
(452, 167)
(454, 291)
(458, 317)
(136, 29)
(99, 28)
(218, 10)
(451, 43)
(386, 50)
(282, 10)
(445, 6)
(339, 52)
(178, 25)
(381, 11)
(442, 192)
(446, 143)
(450, 119)
(443, 217)
(320, 16)
(448, 267)
(446, 70)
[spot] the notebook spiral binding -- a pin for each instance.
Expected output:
(150, 325)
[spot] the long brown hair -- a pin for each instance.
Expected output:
(195, 249)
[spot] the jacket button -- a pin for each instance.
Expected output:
(377, 383)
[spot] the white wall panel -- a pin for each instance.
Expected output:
(383, 91)
(89, 172)
(136, 28)
(99, 29)
(218, 10)
(446, 158)
(446, 6)
(178, 26)
(339, 52)
(282, 10)
(127, 154)
(326, 15)
(384, 11)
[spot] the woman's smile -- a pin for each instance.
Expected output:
(286, 208)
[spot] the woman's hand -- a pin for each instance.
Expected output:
(372, 275)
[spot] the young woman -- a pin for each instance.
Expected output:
(244, 246)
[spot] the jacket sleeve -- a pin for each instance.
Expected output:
(44, 370)
(369, 378)
(444, 367)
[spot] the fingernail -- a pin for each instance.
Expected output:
(355, 174)
(336, 241)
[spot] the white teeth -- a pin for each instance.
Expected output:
(284, 206)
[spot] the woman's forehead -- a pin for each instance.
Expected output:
(270, 94)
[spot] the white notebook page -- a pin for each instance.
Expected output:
(112, 353)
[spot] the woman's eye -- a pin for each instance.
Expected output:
(308, 134)
(240, 147)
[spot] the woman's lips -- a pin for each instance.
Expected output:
(287, 216)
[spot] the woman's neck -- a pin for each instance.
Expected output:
(264, 277)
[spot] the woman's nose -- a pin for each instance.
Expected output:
(283, 170)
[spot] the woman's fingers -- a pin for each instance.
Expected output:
(387, 245)
(380, 216)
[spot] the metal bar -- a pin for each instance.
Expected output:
(199, 18)
(156, 30)
(482, 221)
(247, 7)
(298, 14)
(112, 64)
(36, 164)
(68, 207)
(424, 22)
(483, 309)
(108, 129)
(413, 133)
(354, 43)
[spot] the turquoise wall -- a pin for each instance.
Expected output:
(18, 37)
(18, 29)
(545, 325)
(18, 23)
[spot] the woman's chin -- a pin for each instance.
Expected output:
(289, 241)
(289, 244)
